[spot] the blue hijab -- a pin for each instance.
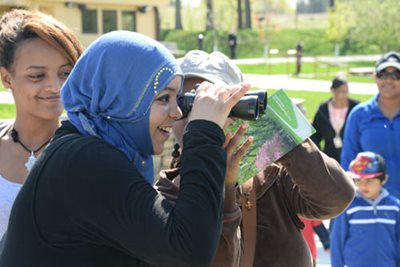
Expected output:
(111, 88)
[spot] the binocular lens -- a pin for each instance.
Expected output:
(249, 106)
(262, 99)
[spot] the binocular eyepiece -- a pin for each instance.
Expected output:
(249, 107)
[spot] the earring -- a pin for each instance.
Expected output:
(175, 152)
(175, 156)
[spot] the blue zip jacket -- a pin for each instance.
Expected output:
(367, 234)
(367, 129)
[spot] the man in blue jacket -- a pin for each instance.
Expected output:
(374, 125)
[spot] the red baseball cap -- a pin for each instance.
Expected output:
(367, 165)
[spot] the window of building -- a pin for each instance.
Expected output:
(89, 21)
(109, 20)
(129, 20)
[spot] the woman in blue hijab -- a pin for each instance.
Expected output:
(89, 200)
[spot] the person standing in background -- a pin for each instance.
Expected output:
(374, 125)
(232, 41)
(37, 53)
(330, 118)
(299, 54)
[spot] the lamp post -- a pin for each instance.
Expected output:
(263, 37)
(272, 52)
(200, 38)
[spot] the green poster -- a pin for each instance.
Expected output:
(281, 128)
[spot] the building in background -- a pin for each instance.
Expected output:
(91, 18)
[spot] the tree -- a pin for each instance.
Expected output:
(377, 22)
(247, 7)
(178, 15)
(340, 21)
(367, 22)
(209, 15)
(158, 22)
(239, 14)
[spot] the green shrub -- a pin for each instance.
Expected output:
(251, 43)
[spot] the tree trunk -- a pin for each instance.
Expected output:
(157, 22)
(209, 15)
(178, 16)
(239, 14)
(248, 13)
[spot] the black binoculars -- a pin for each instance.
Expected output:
(249, 107)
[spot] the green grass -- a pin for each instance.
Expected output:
(317, 70)
(7, 111)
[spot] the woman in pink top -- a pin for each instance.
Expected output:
(331, 116)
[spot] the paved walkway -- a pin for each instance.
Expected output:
(323, 258)
(287, 82)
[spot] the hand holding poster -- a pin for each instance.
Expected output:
(275, 133)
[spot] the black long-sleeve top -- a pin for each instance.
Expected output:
(87, 205)
(325, 131)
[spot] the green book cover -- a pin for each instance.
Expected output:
(281, 128)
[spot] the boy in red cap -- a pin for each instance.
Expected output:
(368, 232)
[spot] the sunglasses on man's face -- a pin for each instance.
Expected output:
(384, 75)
